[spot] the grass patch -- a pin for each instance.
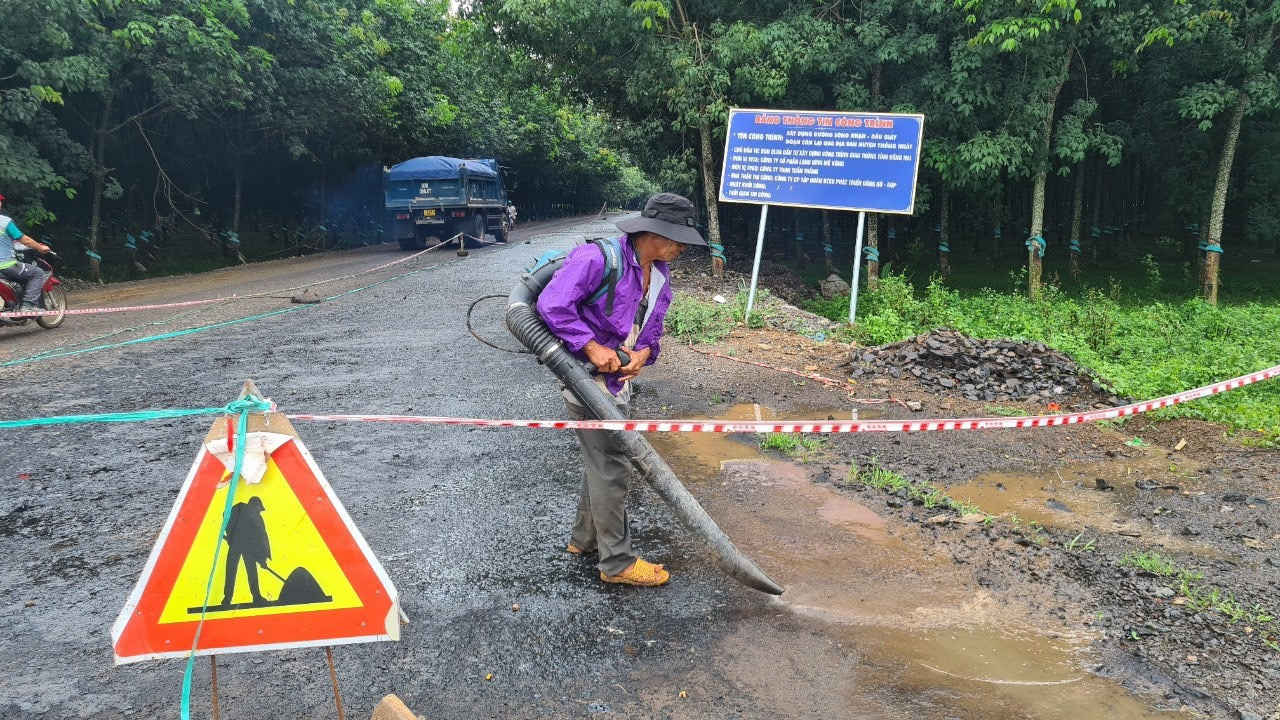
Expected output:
(705, 322)
(693, 320)
(1203, 598)
(1000, 411)
(1080, 543)
(793, 445)
(1139, 346)
(876, 476)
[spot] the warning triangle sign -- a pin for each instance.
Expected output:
(290, 570)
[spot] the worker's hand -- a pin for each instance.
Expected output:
(605, 360)
(638, 359)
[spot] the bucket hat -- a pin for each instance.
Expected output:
(668, 215)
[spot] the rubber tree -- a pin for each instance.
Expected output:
(960, 95)
(1075, 139)
(328, 87)
(699, 68)
(151, 60)
(1043, 37)
(882, 47)
(1241, 36)
(40, 69)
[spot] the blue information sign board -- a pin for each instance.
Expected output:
(833, 160)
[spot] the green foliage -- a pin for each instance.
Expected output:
(792, 445)
(876, 476)
(1207, 597)
(209, 104)
(999, 411)
(1080, 543)
(1144, 349)
(693, 320)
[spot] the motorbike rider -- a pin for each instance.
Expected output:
(29, 274)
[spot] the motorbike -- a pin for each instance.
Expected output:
(53, 299)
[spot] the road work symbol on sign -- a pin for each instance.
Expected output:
(246, 548)
(290, 570)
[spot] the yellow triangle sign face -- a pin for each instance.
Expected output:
(290, 570)
(259, 576)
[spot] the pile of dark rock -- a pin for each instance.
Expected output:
(981, 370)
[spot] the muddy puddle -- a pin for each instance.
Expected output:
(928, 640)
(1088, 497)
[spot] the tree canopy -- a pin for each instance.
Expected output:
(1080, 128)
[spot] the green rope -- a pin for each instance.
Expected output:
(1213, 248)
(1037, 244)
(243, 407)
(871, 254)
(717, 250)
(944, 247)
(93, 254)
(1075, 246)
(138, 415)
(203, 328)
(826, 248)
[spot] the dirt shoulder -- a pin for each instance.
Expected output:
(1078, 518)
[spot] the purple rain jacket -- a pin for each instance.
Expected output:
(562, 307)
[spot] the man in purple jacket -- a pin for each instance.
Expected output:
(662, 232)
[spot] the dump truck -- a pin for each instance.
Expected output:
(436, 199)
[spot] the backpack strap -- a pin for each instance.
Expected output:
(613, 269)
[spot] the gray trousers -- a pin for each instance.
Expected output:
(601, 522)
(28, 273)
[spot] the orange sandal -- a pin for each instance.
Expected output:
(575, 550)
(641, 574)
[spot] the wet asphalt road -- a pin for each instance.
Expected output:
(466, 522)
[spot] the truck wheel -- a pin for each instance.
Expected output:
(479, 226)
(501, 233)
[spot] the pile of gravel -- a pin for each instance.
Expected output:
(982, 370)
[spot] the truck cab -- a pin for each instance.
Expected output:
(435, 199)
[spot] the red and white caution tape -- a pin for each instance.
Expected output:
(383, 266)
(253, 296)
(819, 426)
(99, 311)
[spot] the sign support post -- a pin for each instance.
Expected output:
(857, 269)
(755, 268)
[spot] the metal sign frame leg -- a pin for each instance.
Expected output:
(857, 270)
(755, 268)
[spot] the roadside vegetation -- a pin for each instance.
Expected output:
(1199, 596)
(878, 477)
(797, 446)
(1140, 346)
(143, 135)
(699, 321)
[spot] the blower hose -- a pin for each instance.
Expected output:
(527, 326)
